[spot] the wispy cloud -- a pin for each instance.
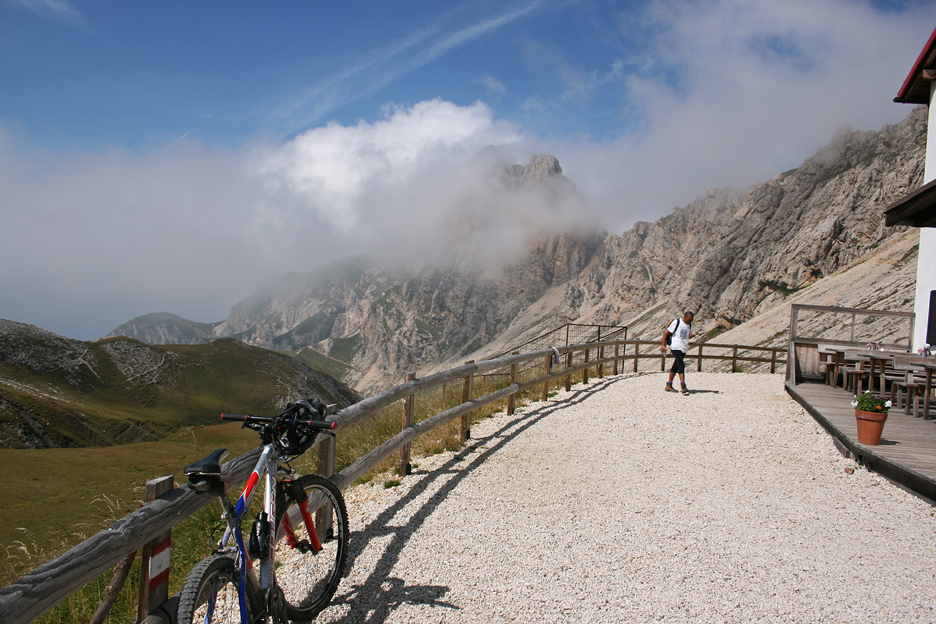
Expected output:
(58, 10)
(492, 84)
(385, 65)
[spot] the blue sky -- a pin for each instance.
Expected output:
(138, 74)
(175, 156)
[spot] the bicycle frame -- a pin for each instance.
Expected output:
(265, 469)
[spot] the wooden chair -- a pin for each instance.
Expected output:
(855, 377)
(828, 371)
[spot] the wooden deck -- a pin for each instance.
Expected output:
(907, 452)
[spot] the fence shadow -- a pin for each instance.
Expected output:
(374, 600)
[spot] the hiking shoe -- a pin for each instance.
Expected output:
(670, 388)
(685, 390)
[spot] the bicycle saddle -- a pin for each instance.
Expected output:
(208, 467)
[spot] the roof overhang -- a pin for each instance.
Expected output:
(918, 209)
(916, 88)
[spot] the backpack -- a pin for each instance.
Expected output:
(669, 339)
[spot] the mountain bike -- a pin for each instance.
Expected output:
(291, 561)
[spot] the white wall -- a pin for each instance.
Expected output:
(926, 268)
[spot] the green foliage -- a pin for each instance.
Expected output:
(870, 402)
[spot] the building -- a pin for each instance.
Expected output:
(918, 209)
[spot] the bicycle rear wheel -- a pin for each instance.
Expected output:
(209, 594)
(309, 579)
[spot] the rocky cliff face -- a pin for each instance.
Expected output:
(727, 255)
(383, 321)
(730, 255)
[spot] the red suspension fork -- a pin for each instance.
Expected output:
(302, 500)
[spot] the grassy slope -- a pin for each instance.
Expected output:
(53, 496)
(129, 430)
(101, 407)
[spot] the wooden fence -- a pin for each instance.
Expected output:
(39, 591)
(841, 327)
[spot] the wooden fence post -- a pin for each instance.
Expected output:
(617, 352)
(585, 370)
(405, 467)
(467, 392)
(568, 379)
(773, 361)
(326, 468)
(512, 399)
(699, 367)
(663, 361)
(600, 366)
(326, 456)
(546, 368)
(734, 360)
(154, 564)
(636, 354)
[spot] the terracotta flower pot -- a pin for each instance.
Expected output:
(870, 426)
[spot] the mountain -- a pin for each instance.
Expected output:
(883, 279)
(731, 255)
(165, 328)
(58, 392)
(728, 255)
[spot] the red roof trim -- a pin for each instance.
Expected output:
(917, 67)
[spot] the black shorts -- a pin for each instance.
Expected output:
(679, 362)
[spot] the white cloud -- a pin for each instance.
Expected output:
(738, 91)
(417, 49)
(332, 168)
(193, 230)
(492, 84)
(725, 92)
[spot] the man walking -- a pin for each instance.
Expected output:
(677, 336)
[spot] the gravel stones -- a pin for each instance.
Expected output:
(618, 502)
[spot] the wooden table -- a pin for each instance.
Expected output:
(833, 364)
(882, 359)
(929, 365)
(859, 357)
(878, 358)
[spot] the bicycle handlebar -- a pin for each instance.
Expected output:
(265, 420)
(294, 430)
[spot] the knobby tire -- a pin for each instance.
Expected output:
(214, 579)
(308, 579)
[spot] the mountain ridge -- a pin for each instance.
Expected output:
(728, 255)
(59, 392)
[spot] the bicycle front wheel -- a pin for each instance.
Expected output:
(209, 594)
(309, 579)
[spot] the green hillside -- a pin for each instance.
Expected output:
(56, 392)
(83, 425)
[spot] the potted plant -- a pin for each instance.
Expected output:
(871, 413)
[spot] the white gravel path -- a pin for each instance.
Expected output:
(622, 503)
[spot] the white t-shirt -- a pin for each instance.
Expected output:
(680, 340)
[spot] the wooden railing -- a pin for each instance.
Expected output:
(37, 592)
(840, 327)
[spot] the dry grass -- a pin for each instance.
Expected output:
(195, 537)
